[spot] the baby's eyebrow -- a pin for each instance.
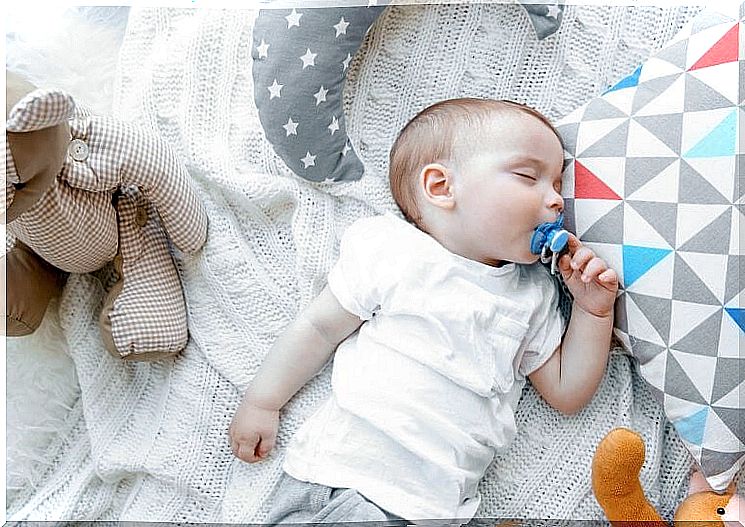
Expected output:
(522, 159)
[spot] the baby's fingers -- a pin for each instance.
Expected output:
(244, 448)
(266, 444)
(609, 277)
(593, 269)
(581, 258)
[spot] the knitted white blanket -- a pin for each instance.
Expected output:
(148, 441)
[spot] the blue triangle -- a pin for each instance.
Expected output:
(692, 428)
(738, 315)
(628, 82)
(639, 260)
(719, 142)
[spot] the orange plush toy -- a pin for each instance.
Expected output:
(615, 482)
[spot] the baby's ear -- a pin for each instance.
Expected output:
(437, 185)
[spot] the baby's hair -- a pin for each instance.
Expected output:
(431, 136)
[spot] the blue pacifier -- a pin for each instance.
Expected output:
(548, 240)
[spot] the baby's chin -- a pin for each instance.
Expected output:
(528, 259)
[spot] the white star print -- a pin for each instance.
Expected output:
(290, 127)
(346, 62)
(341, 27)
(262, 49)
(372, 3)
(334, 126)
(293, 19)
(320, 95)
(309, 59)
(346, 149)
(274, 90)
(309, 160)
(553, 11)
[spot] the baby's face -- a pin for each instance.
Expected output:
(508, 182)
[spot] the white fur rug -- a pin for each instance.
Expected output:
(53, 46)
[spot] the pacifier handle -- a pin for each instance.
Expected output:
(550, 237)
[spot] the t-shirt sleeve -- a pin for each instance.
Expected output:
(546, 326)
(358, 278)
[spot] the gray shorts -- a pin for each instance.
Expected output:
(296, 501)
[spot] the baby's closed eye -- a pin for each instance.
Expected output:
(526, 176)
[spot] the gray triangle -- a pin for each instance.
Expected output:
(662, 216)
(703, 339)
(570, 223)
(658, 394)
(621, 321)
(637, 386)
(599, 108)
(695, 189)
(735, 280)
(568, 133)
(641, 170)
(611, 145)
(645, 351)
(714, 462)
(657, 310)
(729, 374)
(668, 128)
(700, 97)
(650, 90)
(734, 418)
(740, 165)
(608, 229)
(707, 19)
(678, 384)
(714, 238)
(675, 54)
(688, 287)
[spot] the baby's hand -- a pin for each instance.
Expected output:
(253, 431)
(592, 283)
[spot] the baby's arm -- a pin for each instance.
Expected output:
(298, 354)
(569, 379)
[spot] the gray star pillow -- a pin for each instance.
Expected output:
(301, 57)
(545, 15)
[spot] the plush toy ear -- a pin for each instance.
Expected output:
(36, 139)
(38, 109)
(16, 88)
(615, 480)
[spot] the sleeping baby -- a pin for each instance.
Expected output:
(436, 321)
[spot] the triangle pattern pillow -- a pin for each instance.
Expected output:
(654, 184)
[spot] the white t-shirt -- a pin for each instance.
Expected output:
(424, 394)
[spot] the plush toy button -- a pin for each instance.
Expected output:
(78, 150)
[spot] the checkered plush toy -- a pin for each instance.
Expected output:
(83, 191)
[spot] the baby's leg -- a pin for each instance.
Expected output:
(301, 502)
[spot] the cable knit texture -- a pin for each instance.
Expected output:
(147, 441)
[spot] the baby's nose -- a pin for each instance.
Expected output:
(556, 201)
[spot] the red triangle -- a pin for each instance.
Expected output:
(588, 186)
(725, 50)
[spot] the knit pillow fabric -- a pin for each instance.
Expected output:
(651, 185)
(300, 62)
